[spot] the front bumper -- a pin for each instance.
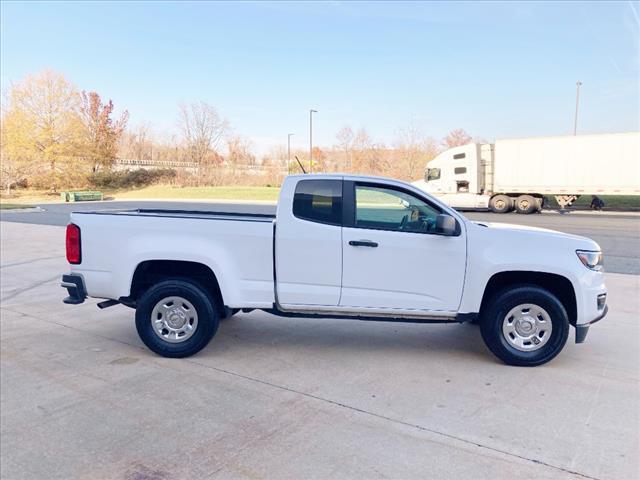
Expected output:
(75, 288)
(583, 329)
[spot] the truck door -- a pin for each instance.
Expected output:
(308, 252)
(392, 257)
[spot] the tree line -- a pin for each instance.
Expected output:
(54, 136)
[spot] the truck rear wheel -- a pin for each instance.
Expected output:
(526, 204)
(525, 326)
(501, 204)
(176, 318)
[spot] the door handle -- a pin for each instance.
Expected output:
(363, 243)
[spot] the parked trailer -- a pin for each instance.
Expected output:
(518, 173)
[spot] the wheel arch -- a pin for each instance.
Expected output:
(558, 285)
(150, 272)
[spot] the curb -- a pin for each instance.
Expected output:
(22, 210)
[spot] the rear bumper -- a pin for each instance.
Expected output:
(583, 329)
(75, 288)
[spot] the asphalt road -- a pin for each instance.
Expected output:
(617, 234)
(284, 398)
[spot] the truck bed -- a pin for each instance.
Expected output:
(116, 242)
(200, 214)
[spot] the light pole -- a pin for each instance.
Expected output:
(311, 112)
(575, 120)
(289, 151)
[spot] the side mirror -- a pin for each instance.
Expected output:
(445, 225)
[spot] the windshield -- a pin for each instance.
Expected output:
(432, 174)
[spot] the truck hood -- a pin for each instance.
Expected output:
(512, 230)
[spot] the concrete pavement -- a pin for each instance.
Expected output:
(81, 397)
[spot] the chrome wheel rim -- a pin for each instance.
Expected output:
(174, 319)
(527, 327)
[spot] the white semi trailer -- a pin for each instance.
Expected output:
(518, 173)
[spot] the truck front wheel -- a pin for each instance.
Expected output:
(501, 204)
(176, 318)
(524, 326)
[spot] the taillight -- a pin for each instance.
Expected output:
(74, 252)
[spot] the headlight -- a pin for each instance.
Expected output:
(591, 260)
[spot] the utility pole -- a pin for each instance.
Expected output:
(289, 151)
(311, 112)
(575, 120)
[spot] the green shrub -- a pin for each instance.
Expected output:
(130, 178)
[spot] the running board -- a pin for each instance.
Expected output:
(375, 318)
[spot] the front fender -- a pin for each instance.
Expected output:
(502, 250)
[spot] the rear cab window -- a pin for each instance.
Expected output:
(318, 201)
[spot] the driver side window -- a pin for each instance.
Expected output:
(382, 208)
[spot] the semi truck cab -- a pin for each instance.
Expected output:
(459, 176)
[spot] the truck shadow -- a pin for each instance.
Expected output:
(260, 332)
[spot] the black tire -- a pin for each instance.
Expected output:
(500, 305)
(526, 204)
(501, 204)
(207, 318)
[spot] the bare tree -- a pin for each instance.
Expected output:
(367, 155)
(203, 130)
(408, 146)
(345, 137)
(137, 144)
(456, 138)
(239, 151)
(413, 151)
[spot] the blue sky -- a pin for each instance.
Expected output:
(495, 69)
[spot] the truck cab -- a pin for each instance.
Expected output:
(342, 233)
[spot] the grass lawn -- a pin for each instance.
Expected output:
(205, 193)
(28, 196)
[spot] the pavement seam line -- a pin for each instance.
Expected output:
(393, 420)
(15, 264)
(14, 293)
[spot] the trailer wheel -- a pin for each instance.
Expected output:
(526, 204)
(501, 204)
(176, 318)
(525, 325)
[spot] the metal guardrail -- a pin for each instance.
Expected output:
(155, 163)
(249, 169)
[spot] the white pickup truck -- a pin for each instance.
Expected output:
(339, 246)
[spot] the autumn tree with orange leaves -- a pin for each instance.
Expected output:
(101, 131)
